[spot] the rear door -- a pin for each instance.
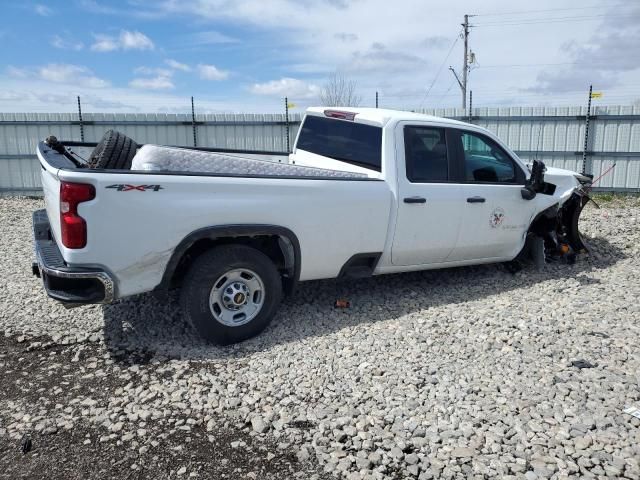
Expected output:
(429, 203)
(496, 217)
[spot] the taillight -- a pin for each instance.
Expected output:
(73, 227)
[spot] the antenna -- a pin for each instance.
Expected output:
(538, 142)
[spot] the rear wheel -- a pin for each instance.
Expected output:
(231, 293)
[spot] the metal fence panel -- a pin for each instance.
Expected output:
(553, 134)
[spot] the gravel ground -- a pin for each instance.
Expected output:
(461, 373)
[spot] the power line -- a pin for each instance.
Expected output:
(445, 95)
(515, 65)
(455, 41)
(536, 21)
(525, 12)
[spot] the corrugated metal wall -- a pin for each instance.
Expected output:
(553, 134)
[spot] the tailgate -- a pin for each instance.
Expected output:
(50, 185)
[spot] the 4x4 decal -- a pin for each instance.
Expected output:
(127, 188)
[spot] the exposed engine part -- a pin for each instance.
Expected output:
(554, 235)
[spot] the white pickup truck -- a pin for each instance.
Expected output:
(365, 192)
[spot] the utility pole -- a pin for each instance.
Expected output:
(465, 63)
(465, 67)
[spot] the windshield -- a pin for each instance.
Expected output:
(347, 141)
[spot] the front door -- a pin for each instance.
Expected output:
(496, 217)
(429, 205)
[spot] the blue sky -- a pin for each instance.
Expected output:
(246, 55)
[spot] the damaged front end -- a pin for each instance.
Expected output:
(554, 234)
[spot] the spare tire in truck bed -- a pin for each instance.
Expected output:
(114, 151)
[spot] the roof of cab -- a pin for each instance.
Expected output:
(382, 116)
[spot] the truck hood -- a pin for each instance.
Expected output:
(566, 182)
(561, 172)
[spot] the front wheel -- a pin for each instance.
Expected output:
(231, 293)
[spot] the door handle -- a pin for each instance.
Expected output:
(475, 200)
(415, 200)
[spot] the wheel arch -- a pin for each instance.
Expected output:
(278, 243)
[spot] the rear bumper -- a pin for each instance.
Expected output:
(70, 285)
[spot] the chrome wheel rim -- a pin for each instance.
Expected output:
(237, 297)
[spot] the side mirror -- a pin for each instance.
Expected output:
(536, 181)
(528, 193)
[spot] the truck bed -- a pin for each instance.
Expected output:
(139, 217)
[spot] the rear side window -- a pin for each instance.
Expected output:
(426, 154)
(347, 141)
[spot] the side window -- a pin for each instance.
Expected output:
(485, 161)
(426, 154)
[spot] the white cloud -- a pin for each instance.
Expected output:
(66, 43)
(311, 68)
(98, 8)
(177, 65)
(161, 72)
(291, 87)
(378, 58)
(10, 96)
(70, 74)
(211, 72)
(104, 43)
(43, 10)
(155, 83)
(210, 37)
(16, 72)
(56, 72)
(599, 61)
(95, 7)
(157, 78)
(135, 41)
(346, 37)
(126, 41)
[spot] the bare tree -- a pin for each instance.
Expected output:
(339, 91)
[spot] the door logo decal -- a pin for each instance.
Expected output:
(497, 217)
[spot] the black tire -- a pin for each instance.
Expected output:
(199, 282)
(114, 151)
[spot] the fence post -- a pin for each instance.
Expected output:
(80, 119)
(286, 119)
(193, 123)
(470, 105)
(586, 133)
(376, 99)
